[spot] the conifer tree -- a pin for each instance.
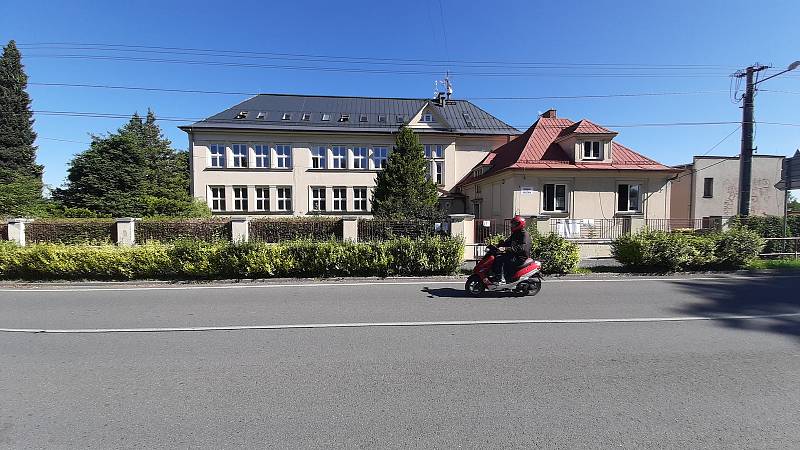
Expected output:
(404, 189)
(20, 176)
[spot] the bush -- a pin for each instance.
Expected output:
(557, 254)
(194, 259)
(660, 251)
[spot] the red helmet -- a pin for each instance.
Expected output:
(517, 223)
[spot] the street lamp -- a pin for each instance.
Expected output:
(746, 156)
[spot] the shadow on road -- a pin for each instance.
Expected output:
(756, 296)
(461, 293)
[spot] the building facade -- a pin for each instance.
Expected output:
(709, 187)
(298, 155)
(567, 170)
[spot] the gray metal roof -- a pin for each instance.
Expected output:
(266, 111)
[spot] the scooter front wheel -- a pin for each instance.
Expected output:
(474, 286)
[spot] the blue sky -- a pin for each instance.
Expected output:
(618, 38)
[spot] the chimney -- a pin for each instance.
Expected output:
(549, 114)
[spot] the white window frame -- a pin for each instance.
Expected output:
(381, 118)
(326, 117)
(216, 202)
(339, 196)
(434, 153)
(283, 161)
(360, 158)
(319, 157)
(555, 209)
(240, 155)
(380, 157)
(360, 204)
(239, 198)
(640, 198)
(427, 118)
(286, 116)
(593, 145)
(216, 157)
(340, 159)
(284, 202)
(318, 199)
(306, 117)
(262, 198)
(261, 156)
(363, 118)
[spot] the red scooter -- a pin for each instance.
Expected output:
(527, 280)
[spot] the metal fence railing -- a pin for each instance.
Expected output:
(486, 228)
(601, 229)
(381, 230)
(676, 224)
(780, 247)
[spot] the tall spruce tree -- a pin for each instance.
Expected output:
(133, 172)
(404, 189)
(20, 176)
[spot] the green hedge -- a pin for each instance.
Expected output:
(214, 260)
(71, 231)
(659, 251)
(170, 229)
(769, 227)
(557, 254)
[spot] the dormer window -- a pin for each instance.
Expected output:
(286, 116)
(381, 118)
(344, 118)
(591, 150)
(401, 118)
(326, 117)
(306, 117)
(427, 118)
(468, 120)
(242, 115)
(261, 115)
(362, 118)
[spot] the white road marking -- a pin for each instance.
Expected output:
(34, 289)
(394, 324)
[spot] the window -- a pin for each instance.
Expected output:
(318, 157)
(284, 199)
(339, 157)
(380, 156)
(340, 199)
(427, 118)
(555, 198)
(591, 150)
(242, 115)
(240, 198)
(262, 198)
(476, 209)
(401, 118)
(362, 118)
(306, 117)
(326, 117)
(628, 198)
(344, 118)
(708, 188)
(318, 199)
(381, 118)
(217, 198)
(468, 120)
(359, 199)
(217, 155)
(239, 155)
(261, 115)
(283, 156)
(286, 116)
(360, 160)
(262, 155)
(435, 154)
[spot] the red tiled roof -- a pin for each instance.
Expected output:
(536, 148)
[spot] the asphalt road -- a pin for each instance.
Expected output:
(647, 383)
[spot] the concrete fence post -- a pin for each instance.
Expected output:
(16, 230)
(637, 224)
(543, 225)
(350, 228)
(126, 234)
(463, 226)
(240, 229)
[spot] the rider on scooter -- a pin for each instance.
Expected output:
(518, 249)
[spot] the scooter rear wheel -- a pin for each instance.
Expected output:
(534, 285)
(474, 286)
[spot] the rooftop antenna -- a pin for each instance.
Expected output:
(448, 86)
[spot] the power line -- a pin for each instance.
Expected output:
(722, 140)
(335, 125)
(368, 70)
(370, 59)
(694, 171)
(546, 97)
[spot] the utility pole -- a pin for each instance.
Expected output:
(746, 155)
